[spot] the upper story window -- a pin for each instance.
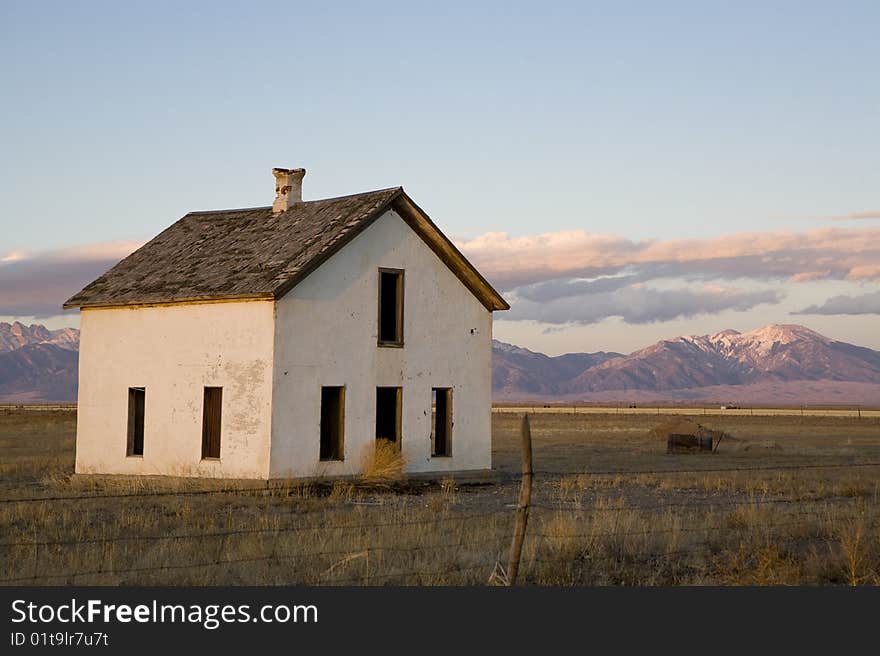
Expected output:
(136, 397)
(390, 307)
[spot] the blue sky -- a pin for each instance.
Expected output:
(647, 121)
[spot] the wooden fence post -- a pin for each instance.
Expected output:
(522, 508)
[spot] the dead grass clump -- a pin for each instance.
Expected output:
(598, 481)
(561, 536)
(857, 488)
(757, 564)
(447, 489)
(569, 489)
(383, 463)
(302, 491)
(443, 500)
(853, 541)
(342, 491)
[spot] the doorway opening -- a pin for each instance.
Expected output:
(332, 423)
(388, 413)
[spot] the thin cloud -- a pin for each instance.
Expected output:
(550, 290)
(36, 284)
(871, 214)
(863, 304)
(637, 304)
(852, 216)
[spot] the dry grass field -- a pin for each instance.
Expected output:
(784, 500)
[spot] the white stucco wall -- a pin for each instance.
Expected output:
(326, 334)
(174, 352)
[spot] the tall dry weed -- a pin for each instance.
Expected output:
(382, 463)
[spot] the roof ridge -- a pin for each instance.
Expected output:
(360, 193)
(315, 200)
(229, 211)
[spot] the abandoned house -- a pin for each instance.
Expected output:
(283, 341)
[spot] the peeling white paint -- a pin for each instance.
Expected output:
(174, 352)
(326, 334)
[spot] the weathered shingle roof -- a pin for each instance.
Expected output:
(253, 253)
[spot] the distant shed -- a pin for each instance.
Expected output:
(684, 436)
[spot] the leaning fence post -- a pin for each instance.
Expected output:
(522, 508)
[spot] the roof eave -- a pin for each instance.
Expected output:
(226, 298)
(448, 253)
(433, 237)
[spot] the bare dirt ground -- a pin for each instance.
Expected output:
(784, 500)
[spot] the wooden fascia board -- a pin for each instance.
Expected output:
(449, 254)
(196, 300)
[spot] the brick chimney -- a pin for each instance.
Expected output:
(288, 188)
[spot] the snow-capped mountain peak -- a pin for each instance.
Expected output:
(778, 353)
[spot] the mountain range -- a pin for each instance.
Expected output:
(782, 364)
(774, 364)
(37, 364)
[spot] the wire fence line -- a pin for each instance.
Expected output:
(736, 410)
(71, 576)
(250, 559)
(312, 544)
(716, 528)
(710, 504)
(487, 550)
(268, 489)
(37, 407)
(254, 531)
(605, 408)
(264, 489)
(709, 470)
(498, 542)
(672, 555)
(561, 506)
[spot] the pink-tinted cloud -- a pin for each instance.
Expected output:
(36, 284)
(809, 276)
(833, 253)
(871, 214)
(864, 272)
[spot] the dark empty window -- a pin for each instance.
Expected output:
(136, 397)
(390, 307)
(211, 422)
(388, 413)
(332, 423)
(441, 421)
